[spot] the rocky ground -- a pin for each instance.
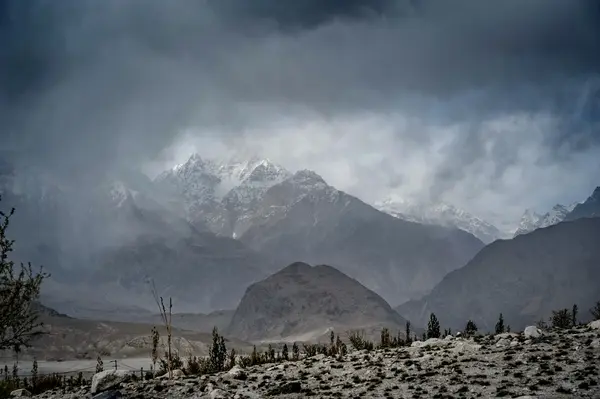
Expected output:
(556, 364)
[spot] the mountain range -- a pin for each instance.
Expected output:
(204, 231)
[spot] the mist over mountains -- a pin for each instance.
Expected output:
(222, 226)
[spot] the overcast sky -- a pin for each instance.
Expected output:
(493, 106)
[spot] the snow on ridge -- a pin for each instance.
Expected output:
(440, 213)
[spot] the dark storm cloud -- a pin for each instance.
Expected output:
(87, 85)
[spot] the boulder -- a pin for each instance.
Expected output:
(20, 393)
(507, 335)
(218, 394)
(466, 347)
(595, 324)
(532, 332)
(108, 379)
(237, 373)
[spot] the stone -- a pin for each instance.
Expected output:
(20, 393)
(108, 379)
(218, 394)
(595, 325)
(532, 332)
(503, 342)
(176, 374)
(237, 373)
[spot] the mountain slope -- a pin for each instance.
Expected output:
(589, 208)
(524, 278)
(440, 214)
(305, 219)
(301, 302)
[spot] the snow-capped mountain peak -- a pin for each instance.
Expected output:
(439, 213)
(532, 220)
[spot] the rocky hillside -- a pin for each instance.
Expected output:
(302, 303)
(525, 278)
(535, 364)
(305, 219)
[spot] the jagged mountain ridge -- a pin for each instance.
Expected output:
(589, 208)
(441, 214)
(531, 220)
(524, 278)
(220, 194)
(303, 302)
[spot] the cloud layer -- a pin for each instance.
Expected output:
(471, 102)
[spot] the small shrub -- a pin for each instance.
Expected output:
(561, 319)
(358, 341)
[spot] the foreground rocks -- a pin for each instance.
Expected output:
(557, 364)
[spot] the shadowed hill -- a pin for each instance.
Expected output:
(301, 302)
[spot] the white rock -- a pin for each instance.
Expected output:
(429, 342)
(218, 394)
(514, 343)
(532, 332)
(237, 373)
(108, 379)
(463, 346)
(20, 393)
(595, 324)
(505, 335)
(176, 374)
(449, 338)
(503, 342)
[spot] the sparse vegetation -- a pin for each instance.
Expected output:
(358, 341)
(19, 292)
